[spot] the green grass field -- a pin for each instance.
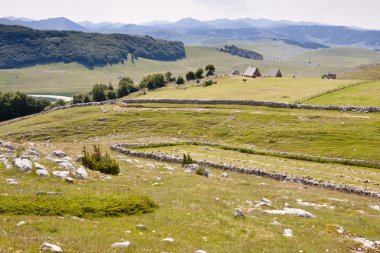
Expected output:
(198, 212)
(366, 94)
(263, 89)
(68, 79)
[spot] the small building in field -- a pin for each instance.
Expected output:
(274, 73)
(252, 71)
(329, 76)
(235, 72)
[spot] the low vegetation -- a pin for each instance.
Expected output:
(18, 104)
(304, 44)
(234, 50)
(81, 206)
(100, 162)
(21, 46)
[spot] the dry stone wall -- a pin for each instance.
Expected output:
(256, 103)
(251, 171)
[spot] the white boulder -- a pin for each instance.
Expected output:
(291, 211)
(23, 164)
(61, 174)
(51, 247)
(81, 173)
(42, 173)
(121, 244)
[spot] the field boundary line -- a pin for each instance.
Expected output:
(250, 171)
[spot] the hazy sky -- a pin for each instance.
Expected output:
(361, 13)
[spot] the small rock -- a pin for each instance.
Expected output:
(224, 174)
(11, 181)
(77, 218)
(42, 173)
(170, 240)
(239, 213)
(51, 247)
(191, 168)
(375, 207)
(61, 174)
(59, 153)
(158, 179)
(69, 180)
(81, 173)
(121, 244)
(39, 166)
(200, 251)
(291, 211)
(288, 232)
(140, 226)
(128, 232)
(217, 199)
(21, 223)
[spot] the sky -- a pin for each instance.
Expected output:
(362, 13)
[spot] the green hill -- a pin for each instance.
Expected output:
(68, 79)
(21, 46)
(365, 72)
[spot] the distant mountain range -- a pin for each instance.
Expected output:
(219, 31)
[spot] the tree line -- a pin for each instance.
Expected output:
(126, 86)
(234, 50)
(21, 46)
(17, 104)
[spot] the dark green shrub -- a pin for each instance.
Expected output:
(99, 162)
(187, 160)
(207, 83)
(180, 80)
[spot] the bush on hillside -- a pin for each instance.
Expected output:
(99, 162)
(208, 83)
(151, 82)
(186, 160)
(180, 80)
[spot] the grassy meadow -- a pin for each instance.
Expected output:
(262, 89)
(366, 94)
(68, 79)
(198, 212)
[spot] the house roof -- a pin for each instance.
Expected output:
(250, 71)
(273, 72)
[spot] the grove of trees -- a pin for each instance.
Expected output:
(21, 46)
(17, 104)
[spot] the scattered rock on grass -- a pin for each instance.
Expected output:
(11, 181)
(375, 207)
(81, 173)
(69, 180)
(200, 251)
(121, 244)
(21, 223)
(140, 226)
(61, 174)
(170, 240)
(291, 211)
(23, 164)
(288, 232)
(239, 213)
(224, 174)
(42, 173)
(58, 153)
(39, 166)
(51, 247)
